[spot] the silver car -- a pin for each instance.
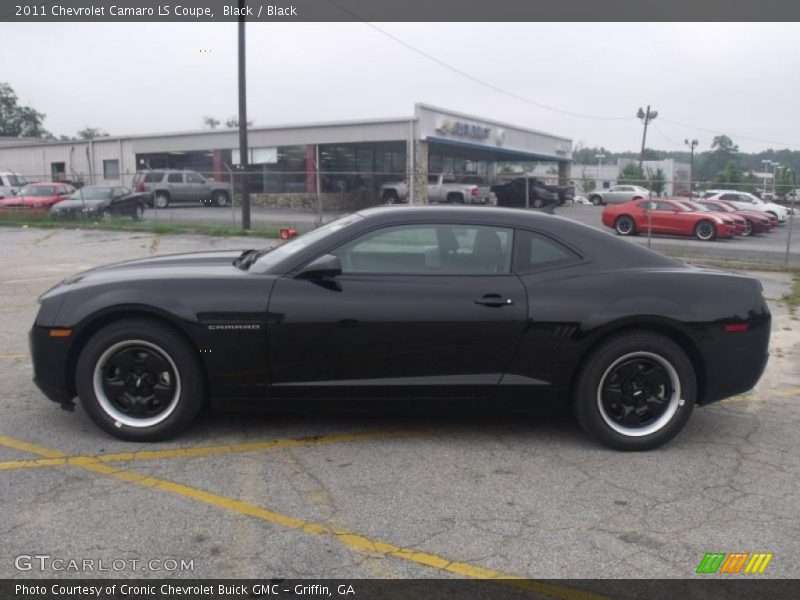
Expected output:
(618, 194)
(168, 186)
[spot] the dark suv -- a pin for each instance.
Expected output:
(170, 185)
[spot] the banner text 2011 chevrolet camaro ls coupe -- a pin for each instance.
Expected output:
(407, 302)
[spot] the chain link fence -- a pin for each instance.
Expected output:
(303, 200)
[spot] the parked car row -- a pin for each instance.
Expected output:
(539, 195)
(705, 219)
(442, 188)
(62, 200)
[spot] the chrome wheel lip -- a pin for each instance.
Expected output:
(703, 226)
(674, 403)
(161, 201)
(108, 407)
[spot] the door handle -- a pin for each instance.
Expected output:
(494, 301)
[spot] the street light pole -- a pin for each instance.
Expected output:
(243, 151)
(691, 145)
(766, 162)
(645, 117)
(599, 158)
(791, 223)
(775, 167)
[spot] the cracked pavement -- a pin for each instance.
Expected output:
(529, 496)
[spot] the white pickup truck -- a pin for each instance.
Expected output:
(468, 189)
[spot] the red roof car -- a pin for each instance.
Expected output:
(738, 221)
(668, 217)
(38, 196)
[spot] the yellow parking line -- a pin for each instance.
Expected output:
(17, 356)
(350, 539)
(339, 438)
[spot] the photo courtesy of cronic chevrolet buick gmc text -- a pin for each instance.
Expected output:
(407, 302)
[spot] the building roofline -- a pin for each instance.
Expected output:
(485, 120)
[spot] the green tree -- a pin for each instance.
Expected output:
(783, 184)
(17, 120)
(89, 133)
(588, 184)
(731, 176)
(632, 175)
(722, 143)
(210, 122)
(657, 181)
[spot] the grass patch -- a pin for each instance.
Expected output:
(44, 221)
(792, 299)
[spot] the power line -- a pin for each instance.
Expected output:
(472, 78)
(730, 133)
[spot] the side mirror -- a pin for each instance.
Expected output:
(327, 265)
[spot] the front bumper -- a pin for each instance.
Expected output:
(50, 357)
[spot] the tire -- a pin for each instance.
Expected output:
(624, 225)
(621, 420)
(705, 231)
(159, 359)
(455, 199)
(749, 229)
(538, 203)
(219, 198)
(597, 200)
(161, 200)
(138, 213)
(636, 198)
(390, 197)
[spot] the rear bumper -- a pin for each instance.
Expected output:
(50, 356)
(736, 361)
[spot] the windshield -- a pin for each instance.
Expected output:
(38, 190)
(269, 258)
(718, 207)
(92, 193)
(15, 180)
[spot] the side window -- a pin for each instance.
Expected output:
(433, 179)
(194, 178)
(429, 249)
(175, 178)
(732, 197)
(533, 251)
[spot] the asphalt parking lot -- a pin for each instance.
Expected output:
(386, 494)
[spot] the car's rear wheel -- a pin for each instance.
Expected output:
(705, 231)
(538, 203)
(220, 199)
(390, 197)
(624, 225)
(162, 200)
(597, 200)
(635, 392)
(455, 199)
(139, 381)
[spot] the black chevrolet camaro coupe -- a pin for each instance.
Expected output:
(407, 302)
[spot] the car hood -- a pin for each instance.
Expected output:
(77, 203)
(203, 265)
(27, 200)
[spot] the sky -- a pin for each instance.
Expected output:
(126, 78)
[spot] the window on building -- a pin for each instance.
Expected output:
(58, 170)
(111, 169)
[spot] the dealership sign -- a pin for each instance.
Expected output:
(462, 129)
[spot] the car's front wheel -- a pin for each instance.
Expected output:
(624, 225)
(161, 200)
(597, 200)
(139, 381)
(635, 392)
(705, 231)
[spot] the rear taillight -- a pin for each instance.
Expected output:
(474, 192)
(733, 327)
(140, 186)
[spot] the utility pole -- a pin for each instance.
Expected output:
(243, 150)
(645, 118)
(691, 145)
(599, 158)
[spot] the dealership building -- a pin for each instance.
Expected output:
(347, 158)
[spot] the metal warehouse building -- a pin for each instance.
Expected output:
(347, 157)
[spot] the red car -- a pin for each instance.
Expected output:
(668, 217)
(38, 196)
(757, 222)
(739, 222)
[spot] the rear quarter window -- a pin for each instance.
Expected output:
(533, 252)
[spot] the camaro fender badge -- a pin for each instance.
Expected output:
(250, 327)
